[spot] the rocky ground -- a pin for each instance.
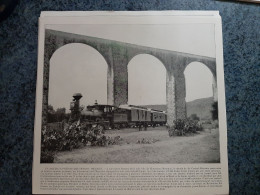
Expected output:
(151, 146)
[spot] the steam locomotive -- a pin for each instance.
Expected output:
(110, 117)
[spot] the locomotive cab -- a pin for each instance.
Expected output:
(100, 111)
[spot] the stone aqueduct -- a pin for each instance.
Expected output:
(117, 56)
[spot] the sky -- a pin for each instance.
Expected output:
(146, 81)
(77, 68)
(80, 68)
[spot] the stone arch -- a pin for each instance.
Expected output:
(55, 40)
(212, 69)
(74, 67)
(155, 63)
(168, 62)
(133, 50)
(53, 43)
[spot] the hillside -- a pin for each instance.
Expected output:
(200, 107)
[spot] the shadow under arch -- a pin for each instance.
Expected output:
(146, 80)
(77, 67)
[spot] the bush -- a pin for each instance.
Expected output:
(184, 126)
(71, 136)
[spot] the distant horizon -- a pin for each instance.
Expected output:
(67, 110)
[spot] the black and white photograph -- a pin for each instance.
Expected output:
(130, 94)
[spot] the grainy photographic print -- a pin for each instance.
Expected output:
(135, 93)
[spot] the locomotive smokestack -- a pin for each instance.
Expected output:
(74, 106)
(77, 96)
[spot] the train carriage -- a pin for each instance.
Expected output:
(158, 117)
(137, 115)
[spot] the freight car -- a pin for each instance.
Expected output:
(108, 116)
(138, 115)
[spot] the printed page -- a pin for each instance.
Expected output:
(130, 103)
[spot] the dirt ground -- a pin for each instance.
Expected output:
(151, 146)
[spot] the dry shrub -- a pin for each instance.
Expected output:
(184, 126)
(147, 141)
